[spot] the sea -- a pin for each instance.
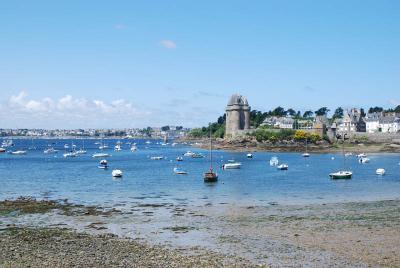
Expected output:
(78, 179)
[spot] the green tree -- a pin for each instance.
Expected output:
(291, 112)
(278, 111)
(308, 114)
(375, 110)
(338, 113)
(397, 109)
(322, 111)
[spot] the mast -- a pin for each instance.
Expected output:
(211, 167)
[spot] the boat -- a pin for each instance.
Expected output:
(70, 154)
(363, 160)
(148, 142)
(189, 153)
(282, 167)
(341, 175)
(66, 146)
(103, 164)
(179, 159)
(274, 161)
(18, 152)
(82, 150)
(210, 175)
(197, 156)
(380, 171)
(157, 157)
(232, 166)
(98, 155)
(361, 155)
(50, 150)
(116, 173)
(306, 154)
(7, 143)
(179, 171)
(118, 147)
(2, 150)
(249, 155)
(133, 148)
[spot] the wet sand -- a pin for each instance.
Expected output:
(357, 234)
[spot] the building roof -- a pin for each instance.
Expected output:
(237, 99)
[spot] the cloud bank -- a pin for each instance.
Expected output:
(68, 111)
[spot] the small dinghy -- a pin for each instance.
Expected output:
(282, 167)
(103, 164)
(249, 155)
(157, 157)
(380, 171)
(361, 155)
(116, 173)
(363, 160)
(341, 175)
(232, 166)
(179, 171)
(179, 159)
(274, 161)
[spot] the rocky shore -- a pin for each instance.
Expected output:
(48, 234)
(251, 145)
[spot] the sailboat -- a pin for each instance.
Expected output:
(82, 150)
(306, 154)
(101, 155)
(210, 176)
(342, 174)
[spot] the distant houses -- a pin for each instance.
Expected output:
(382, 122)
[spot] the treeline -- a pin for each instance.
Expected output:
(216, 129)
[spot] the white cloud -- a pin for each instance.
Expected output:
(68, 111)
(168, 44)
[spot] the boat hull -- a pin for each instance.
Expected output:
(210, 177)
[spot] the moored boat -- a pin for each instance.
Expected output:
(179, 171)
(380, 171)
(116, 173)
(341, 175)
(249, 155)
(98, 155)
(210, 176)
(232, 166)
(18, 152)
(274, 161)
(283, 167)
(103, 164)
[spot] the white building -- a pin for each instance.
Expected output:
(372, 122)
(389, 124)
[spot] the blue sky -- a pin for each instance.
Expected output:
(137, 63)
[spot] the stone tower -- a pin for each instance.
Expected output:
(237, 116)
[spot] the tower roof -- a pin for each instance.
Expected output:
(237, 99)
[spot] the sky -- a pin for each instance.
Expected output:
(123, 64)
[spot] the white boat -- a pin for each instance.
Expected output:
(380, 171)
(197, 156)
(98, 155)
(103, 147)
(179, 171)
(148, 142)
(18, 152)
(50, 150)
(66, 146)
(133, 148)
(116, 173)
(179, 159)
(361, 155)
(7, 143)
(81, 151)
(174, 144)
(157, 157)
(363, 160)
(103, 164)
(2, 150)
(348, 154)
(274, 161)
(189, 154)
(232, 166)
(249, 155)
(306, 155)
(282, 167)
(118, 147)
(70, 154)
(341, 175)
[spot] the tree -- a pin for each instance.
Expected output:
(322, 111)
(362, 112)
(291, 112)
(397, 109)
(165, 128)
(221, 120)
(375, 110)
(338, 113)
(308, 114)
(278, 111)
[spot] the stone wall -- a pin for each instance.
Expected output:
(377, 137)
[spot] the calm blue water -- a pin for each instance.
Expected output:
(78, 179)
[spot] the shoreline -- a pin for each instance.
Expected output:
(253, 146)
(225, 235)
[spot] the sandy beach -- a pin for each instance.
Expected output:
(59, 234)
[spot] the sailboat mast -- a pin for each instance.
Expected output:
(211, 167)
